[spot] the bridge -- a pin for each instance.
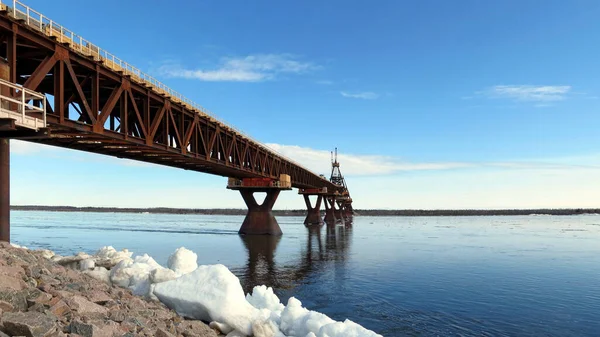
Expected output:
(59, 89)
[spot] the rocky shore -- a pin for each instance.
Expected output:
(39, 297)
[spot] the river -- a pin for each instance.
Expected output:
(398, 276)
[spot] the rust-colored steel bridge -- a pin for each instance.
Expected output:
(95, 102)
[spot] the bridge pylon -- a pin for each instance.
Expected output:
(313, 213)
(331, 212)
(260, 219)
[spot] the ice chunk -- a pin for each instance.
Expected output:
(266, 328)
(162, 275)
(224, 328)
(99, 273)
(109, 252)
(87, 264)
(108, 256)
(262, 297)
(298, 321)
(135, 274)
(48, 254)
(210, 293)
(346, 329)
(183, 261)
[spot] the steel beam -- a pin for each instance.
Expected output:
(5, 190)
(149, 120)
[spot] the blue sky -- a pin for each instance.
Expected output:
(433, 104)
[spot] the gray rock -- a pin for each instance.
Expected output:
(80, 328)
(29, 324)
(196, 329)
(118, 315)
(18, 299)
(163, 333)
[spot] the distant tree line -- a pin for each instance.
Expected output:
(300, 212)
(476, 212)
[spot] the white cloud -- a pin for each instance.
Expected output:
(531, 93)
(252, 68)
(361, 95)
(319, 161)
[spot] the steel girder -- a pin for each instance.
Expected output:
(96, 109)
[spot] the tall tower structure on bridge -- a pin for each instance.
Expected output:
(336, 175)
(338, 205)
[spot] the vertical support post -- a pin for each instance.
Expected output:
(11, 55)
(96, 93)
(338, 210)
(313, 214)
(124, 114)
(5, 71)
(330, 211)
(5, 190)
(59, 91)
(260, 219)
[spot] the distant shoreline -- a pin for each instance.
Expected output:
(301, 212)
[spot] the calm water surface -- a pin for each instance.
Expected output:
(399, 276)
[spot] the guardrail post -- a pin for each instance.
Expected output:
(44, 110)
(23, 104)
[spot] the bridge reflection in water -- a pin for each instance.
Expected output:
(325, 245)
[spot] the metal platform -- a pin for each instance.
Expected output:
(21, 107)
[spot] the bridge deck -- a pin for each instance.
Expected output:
(100, 104)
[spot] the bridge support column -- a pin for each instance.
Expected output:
(5, 190)
(330, 211)
(5, 161)
(260, 219)
(348, 212)
(313, 214)
(339, 213)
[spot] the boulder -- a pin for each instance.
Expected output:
(30, 324)
(83, 306)
(17, 299)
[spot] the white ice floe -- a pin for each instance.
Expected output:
(183, 261)
(99, 273)
(48, 254)
(263, 297)
(135, 274)
(108, 256)
(87, 264)
(210, 293)
(213, 294)
(299, 321)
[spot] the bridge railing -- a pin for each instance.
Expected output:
(42, 23)
(19, 103)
